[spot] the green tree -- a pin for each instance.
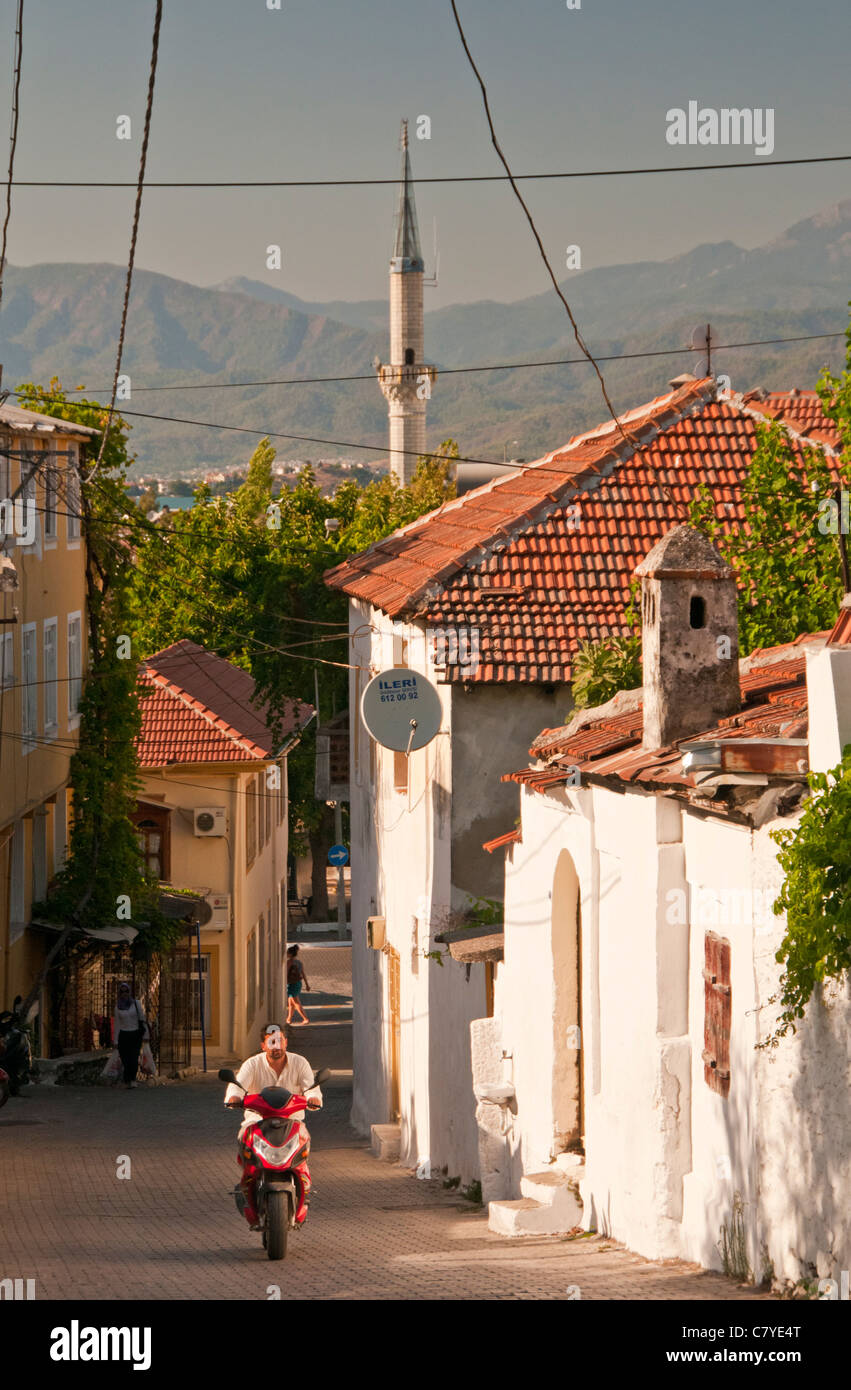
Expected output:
(244, 577)
(816, 894)
(601, 669)
(788, 566)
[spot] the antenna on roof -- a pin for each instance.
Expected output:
(702, 341)
(432, 280)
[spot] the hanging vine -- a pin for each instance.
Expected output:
(816, 895)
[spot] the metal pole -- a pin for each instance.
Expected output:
(341, 873)
(201, 999)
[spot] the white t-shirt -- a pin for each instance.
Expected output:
(256, 1073)
(129, 1019)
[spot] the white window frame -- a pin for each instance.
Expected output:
(7, 660)
(73, 500)
(29, 688)
(17, 888)
(7, 538)
(51, 678)
(30, 469)
(51, 504)
(74, 678)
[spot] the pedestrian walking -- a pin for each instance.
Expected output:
(130, 1031)
(296, 978)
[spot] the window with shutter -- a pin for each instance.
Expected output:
(717, 1013)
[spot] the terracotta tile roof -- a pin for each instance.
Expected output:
(605, 742)
(541, 560)
(841, 634)
(197, 708)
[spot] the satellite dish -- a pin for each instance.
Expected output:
(401, 709)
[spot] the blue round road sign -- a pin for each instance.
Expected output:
(338, 855)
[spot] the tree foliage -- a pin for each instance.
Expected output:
(601, 669)
(243, 575)
(816, 894)
(787, 565)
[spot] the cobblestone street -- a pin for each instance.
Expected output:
(171, 1231)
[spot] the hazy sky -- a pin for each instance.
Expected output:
(316, 90)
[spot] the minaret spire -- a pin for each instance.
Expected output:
(406, 380)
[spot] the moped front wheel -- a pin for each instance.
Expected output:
(276, 1224)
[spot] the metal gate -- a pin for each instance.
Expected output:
(162, 983)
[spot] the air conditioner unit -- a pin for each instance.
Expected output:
(211, 820)
(376, 933)
(220, 905)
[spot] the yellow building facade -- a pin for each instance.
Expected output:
(43, 658)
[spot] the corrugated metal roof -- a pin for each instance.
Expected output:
(20, 421)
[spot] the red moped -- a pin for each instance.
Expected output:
(272, 1195)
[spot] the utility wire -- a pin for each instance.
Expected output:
(457, 371)
(137, 210)
(628, 438)
(438, 178)
(13, 135)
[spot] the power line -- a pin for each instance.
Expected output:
(458, 371)
(13, 136)
(137, 210)
(439, 178)
(627, 438)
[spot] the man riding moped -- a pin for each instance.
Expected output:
(274, 1066)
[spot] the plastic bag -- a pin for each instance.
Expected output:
(147, 1065)
(113, 1068)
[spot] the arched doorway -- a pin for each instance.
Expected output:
(568, 1109)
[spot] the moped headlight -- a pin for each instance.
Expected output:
(276, 1158)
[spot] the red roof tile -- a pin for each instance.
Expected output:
(198, 708)
(542, 560)
(606, 742)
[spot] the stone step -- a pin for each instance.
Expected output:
(548, 1187)
(386, 1142)
(550, 1205)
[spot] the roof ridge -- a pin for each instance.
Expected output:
(696, 395)
(197, 707)
(740, 402)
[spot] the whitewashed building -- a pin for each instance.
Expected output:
(639, 956)
(490, 597)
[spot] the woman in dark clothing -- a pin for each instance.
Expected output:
(295, 979)
(130, 1030)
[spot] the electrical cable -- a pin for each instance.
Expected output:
(628, 438)
(459, 371)
(440, 178)
(137, 210)
(13, 136)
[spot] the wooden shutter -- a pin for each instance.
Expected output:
(717, 1013)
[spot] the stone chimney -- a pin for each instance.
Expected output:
(690, 637)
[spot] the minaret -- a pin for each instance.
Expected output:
(406, 380)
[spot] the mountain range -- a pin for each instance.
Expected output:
(63, 319)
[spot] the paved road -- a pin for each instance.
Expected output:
(171, 1231)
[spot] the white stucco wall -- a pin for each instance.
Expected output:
(666, 1155)
(803, 1113)
(401, 845)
